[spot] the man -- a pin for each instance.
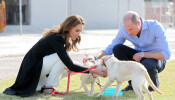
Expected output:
(151, 47)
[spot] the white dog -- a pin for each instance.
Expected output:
(89, 79)
(127, 70)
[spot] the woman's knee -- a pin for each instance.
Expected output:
(50, 59)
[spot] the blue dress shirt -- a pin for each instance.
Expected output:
(152, 39)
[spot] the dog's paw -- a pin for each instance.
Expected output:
(99, 95)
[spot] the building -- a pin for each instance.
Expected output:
(162, 11)
(99, 14)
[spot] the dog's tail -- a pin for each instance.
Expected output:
(148, 79)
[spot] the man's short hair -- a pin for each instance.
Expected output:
(132, 16)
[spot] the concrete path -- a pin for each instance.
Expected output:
(14, 46)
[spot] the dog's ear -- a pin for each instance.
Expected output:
(102, 60)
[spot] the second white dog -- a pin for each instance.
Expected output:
(89, 79)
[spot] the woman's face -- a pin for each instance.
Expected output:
(75, 31)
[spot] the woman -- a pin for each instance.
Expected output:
(2, 15)
(58, 40)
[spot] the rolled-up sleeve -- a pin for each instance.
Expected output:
(119, 39)
(162, 40)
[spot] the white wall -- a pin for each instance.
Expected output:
(46, 14)
(105, 14)
(98, 14)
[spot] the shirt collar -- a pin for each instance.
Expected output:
(144, 24)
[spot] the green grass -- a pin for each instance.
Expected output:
(167, 86)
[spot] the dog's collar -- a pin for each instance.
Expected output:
(105, 61)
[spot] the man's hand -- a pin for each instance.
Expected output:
(137, 57)
(91, 59)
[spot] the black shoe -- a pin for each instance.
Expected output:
(150, 89)
(129, 87)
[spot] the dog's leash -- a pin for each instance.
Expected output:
(69, 72)
(53, 93)
(99, 83)
(96, 82)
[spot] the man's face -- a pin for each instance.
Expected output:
(132, 29)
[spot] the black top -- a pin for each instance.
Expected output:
(30, 69)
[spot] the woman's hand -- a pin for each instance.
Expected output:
(100, 71)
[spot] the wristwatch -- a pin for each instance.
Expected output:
(142, 54)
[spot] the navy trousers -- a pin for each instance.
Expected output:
(153, 66)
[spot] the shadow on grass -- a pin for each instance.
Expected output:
(73, 94)
(70, 96)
